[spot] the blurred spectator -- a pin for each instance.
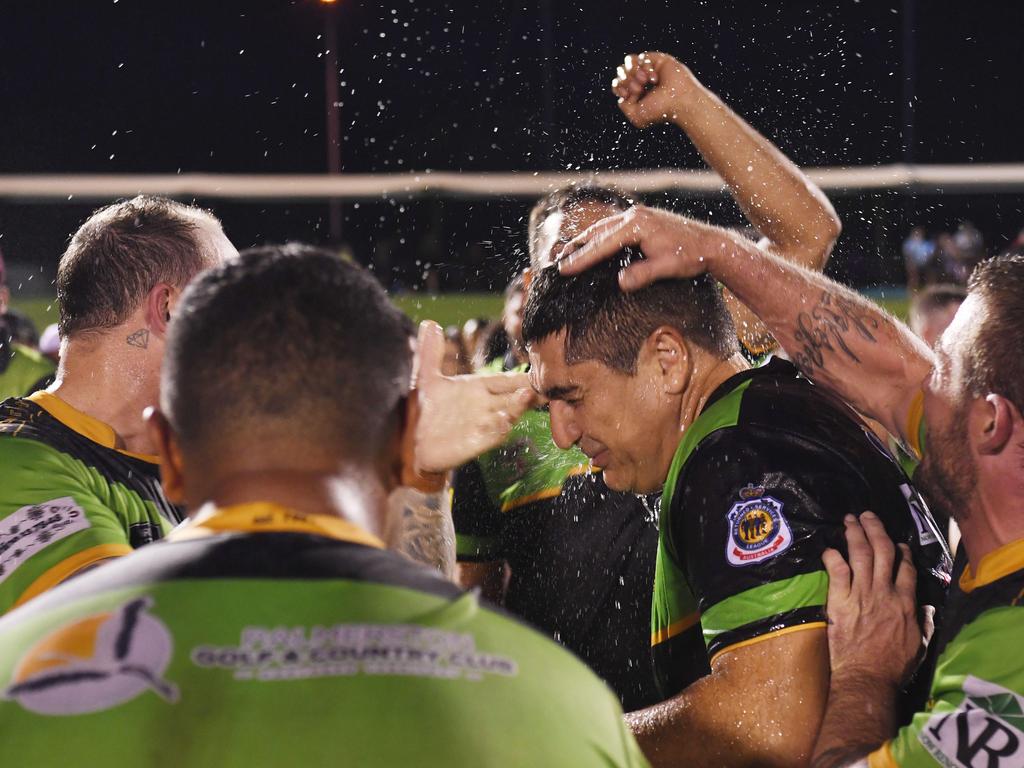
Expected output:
(1017, 246)
(456, 361)
(22, 369)
(473, 330)
(49, 343)
(933, 308)
(970, 243)
(494, 349)
(918, 257)
(512, 316)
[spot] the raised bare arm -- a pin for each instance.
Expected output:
(797, 220)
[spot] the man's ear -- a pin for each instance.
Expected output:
(667, 350)
(158, 308)
(994, 420)
(171, 466)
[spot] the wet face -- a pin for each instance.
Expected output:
(948, 473)
(626, 424)
(562, 226)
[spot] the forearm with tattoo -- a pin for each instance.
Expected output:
(427, 534)
(826, 327)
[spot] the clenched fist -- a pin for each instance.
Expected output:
(652, 88)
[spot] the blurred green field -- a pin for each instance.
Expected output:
(445, 309)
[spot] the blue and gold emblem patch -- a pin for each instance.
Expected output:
(758, 530)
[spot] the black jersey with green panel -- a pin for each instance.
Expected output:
(757, 491)
(259, 636)
(68, 501)
(975, 713)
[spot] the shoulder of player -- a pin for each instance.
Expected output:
(29, 463)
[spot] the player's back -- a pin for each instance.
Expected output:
(68, 497)
(259, 636)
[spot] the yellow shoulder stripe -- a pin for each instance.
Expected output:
(882, 757)
(769, 636)
(68, 567)
(675, 628)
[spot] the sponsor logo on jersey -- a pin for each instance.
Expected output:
(927, 533)
(29, 530)
(344, 650)
(757, 529)
(985, 731)
(95, 663)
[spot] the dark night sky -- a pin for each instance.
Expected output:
(219, 85)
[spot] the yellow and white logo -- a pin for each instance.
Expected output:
(95, 663)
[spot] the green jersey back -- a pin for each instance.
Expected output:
(975, 713)
(68, 498)
(21, 370)
(260, 636)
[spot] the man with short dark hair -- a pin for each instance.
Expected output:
(79, 483)
(958, 405)
(273, 628)
(582, 556)
(758, 469)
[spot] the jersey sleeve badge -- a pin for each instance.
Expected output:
(758, 530)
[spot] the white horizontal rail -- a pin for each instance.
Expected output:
(926, 179)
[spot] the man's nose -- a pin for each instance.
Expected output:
(564, 430)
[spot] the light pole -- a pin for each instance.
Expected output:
(333, 117)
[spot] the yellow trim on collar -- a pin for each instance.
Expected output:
(266, 517)
(995, 565)
(882, 757)
(83, 424)
(914, 417)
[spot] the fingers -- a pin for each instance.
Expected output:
(634, 77)
(861, 558)
(504, 383)
(838, 575)
(429, 353)
(883, 551)
(642, 273)
(906, 575)
(598, 242)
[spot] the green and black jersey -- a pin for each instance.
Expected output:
(22, 370)
(757, 490)
(975, 713)
(257, 635)
(68, 497)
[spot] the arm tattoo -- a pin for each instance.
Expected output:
(427, 532)
(825, 328)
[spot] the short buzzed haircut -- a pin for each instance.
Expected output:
(286, 340)
(935, 298)
(120, 253)
(994, 362)
(564, 198)
(603, 323)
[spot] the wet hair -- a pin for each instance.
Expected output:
(287, 340)
(120, 253)
(603, 323)
(564, 198)
(937, 297)
(993, 361)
